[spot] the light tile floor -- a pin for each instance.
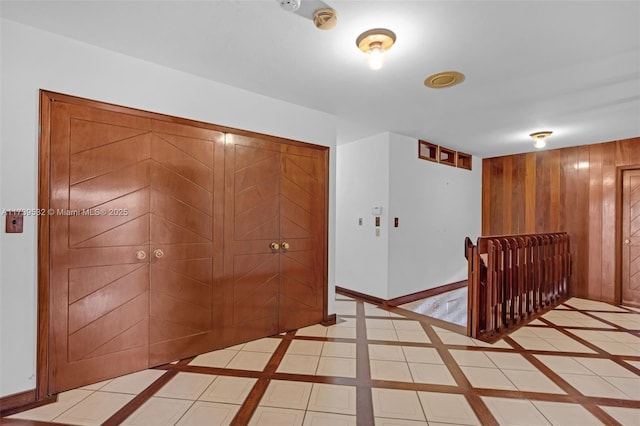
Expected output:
(576, 365)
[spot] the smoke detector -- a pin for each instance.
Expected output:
(289, 5)
(325, 18)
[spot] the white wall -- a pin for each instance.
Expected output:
(437, 207)
(362, 182)
(31, 60)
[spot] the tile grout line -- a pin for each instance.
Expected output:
(122, 414)
(364, 398)
(574, 394)
(478, 406)
(252, 401)
(599, 351)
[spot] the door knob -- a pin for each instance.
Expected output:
(627, 241)
(141, 255)
(158, 253)
(285, 245)
(274, 246)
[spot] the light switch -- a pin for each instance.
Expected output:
(360, 221)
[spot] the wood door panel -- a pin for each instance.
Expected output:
(273, 196)
(199, 148)
(180, 286)
(259, 223)
(182, 163)
(252, 165)
(181, 188)
(634, 268)
(163, 307)
(302, 198)
(84, 281)
(103, 159)
(133, 232)
(102, 189)
(302, 219)
(295, 222)
(252, 152)
(181, 223)
(198, 269)
(191, 133)
(108, 217)
(260, 304)
(166, 232)
(90, 308)
(132, 338)
(265, 191)
(175, 211)
(162, 330)
(253, 272)
(86, 134)
(251, 268)
(105, 318)
(108, 327)
(99, 299)
(111, 365)
(299, 282)
(631, 237)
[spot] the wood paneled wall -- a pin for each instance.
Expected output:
(577, 190)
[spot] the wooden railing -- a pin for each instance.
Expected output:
(512, 277)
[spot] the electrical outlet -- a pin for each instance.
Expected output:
(360, 221)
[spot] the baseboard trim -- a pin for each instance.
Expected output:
(401, 300)
(330, 320)
(357, 295)
(21, 401)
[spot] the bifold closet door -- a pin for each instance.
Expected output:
(99, 241)
(131, 224)
(184, 309)
(303, 218)
(275, 237)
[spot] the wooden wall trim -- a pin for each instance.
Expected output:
(357, 295)
(21, 401)
(401, 300)
(42, 334)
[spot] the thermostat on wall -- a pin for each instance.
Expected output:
(376, 210)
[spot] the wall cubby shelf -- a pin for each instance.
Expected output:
(427, 151)
(439, 154)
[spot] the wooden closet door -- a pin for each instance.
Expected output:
(631, 237)
(275, 195)
(303, 230)
(132, 230)
(99, 236)
(182, 317)
(252, 221)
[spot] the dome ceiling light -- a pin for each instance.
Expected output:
(374, 43)
(540, 138)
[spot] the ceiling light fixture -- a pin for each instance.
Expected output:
(375, 43)
(444, 79)
(540, 138)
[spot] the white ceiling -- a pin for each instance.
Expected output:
(572, 67)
